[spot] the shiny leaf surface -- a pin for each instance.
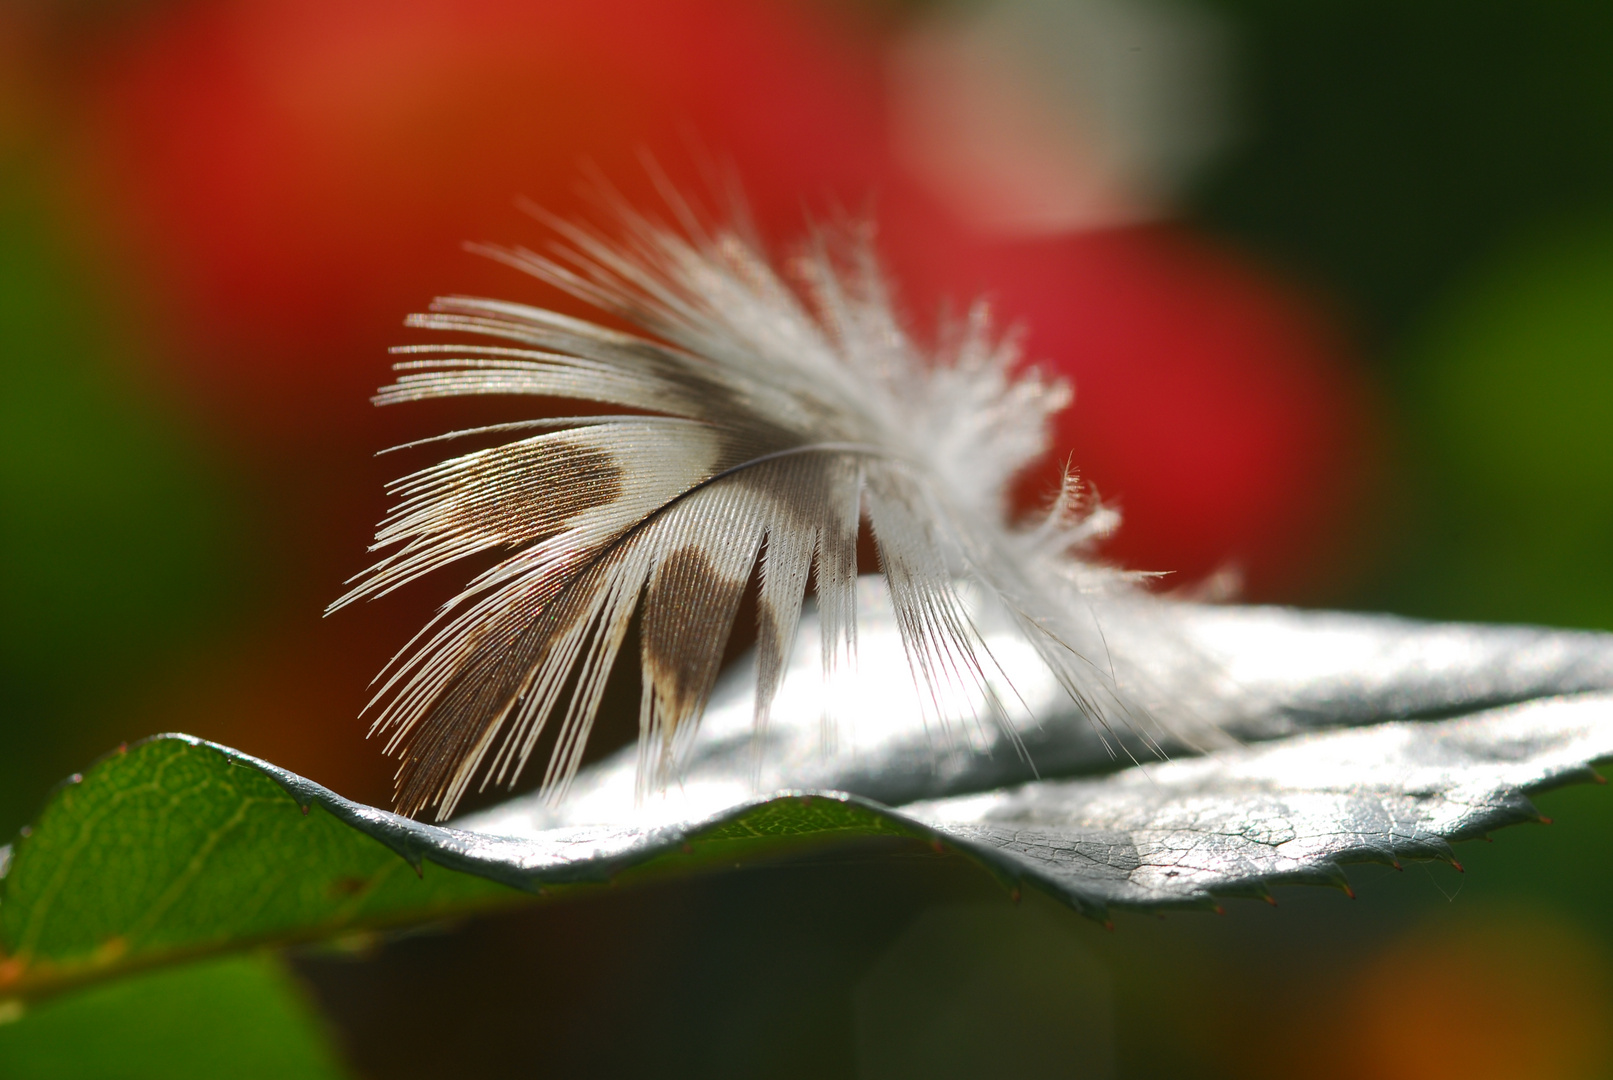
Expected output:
(1361, 739)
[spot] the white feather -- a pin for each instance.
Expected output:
(785, 414)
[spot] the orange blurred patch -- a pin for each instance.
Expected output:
(1508, 995)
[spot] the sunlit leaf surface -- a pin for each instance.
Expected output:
(1360, 739)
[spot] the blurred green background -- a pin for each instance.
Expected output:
(207, 240)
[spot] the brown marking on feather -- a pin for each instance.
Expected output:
(577, 479)
(689, 610)
(488, 684)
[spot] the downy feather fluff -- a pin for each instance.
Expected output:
(773, 413)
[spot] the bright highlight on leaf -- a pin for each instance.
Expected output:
(1372, 739)
(785, 410)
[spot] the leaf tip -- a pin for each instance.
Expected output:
(414, 859)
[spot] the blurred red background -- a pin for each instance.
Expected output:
(265, 189)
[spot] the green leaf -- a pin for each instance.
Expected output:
(243, 1017)
(177, 849)
(172, 849)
